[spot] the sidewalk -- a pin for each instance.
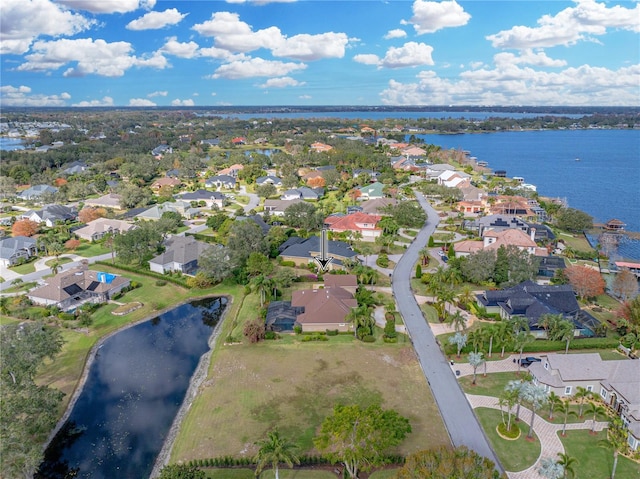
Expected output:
(547, 433)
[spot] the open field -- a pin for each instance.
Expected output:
(251, 389)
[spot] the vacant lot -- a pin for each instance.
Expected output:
(253, 388)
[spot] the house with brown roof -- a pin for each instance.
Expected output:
(111, 200)
(70, 289)
(492, 240)
(100, 227)
(363, 223)
(166, 181)
(231, 170)
(617, 382)
(344, 281)
(377, 205)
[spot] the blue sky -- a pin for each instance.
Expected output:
(329, 52)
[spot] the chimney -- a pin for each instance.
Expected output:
(533, 234)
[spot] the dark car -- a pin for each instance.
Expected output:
(532, 359)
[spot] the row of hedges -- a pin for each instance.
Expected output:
(544, 345)
(144, 272)
(306, 460)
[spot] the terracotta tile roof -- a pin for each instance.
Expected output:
(353, 222)
(330, 305)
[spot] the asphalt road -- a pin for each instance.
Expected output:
(459, 419)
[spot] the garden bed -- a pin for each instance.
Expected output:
(127, 308)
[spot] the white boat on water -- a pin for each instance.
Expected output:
(577, 159)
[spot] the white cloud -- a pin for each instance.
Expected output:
(515, 85)
(527, 57)
(411, 54)
(22, 21)
(141, 102)
(305, 97)
(569, 26)
(281, 82)
(157, 61)
(183, 50)
(367, 59)
(156, 20)
(429, 17)
(178, 102)
(234, 35)
(21, 96)
(157, 93)
(397, 33)
(256, 67)
(108, 6)
(90, 57)
(106, 101)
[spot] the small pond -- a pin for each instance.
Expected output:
(133, 391)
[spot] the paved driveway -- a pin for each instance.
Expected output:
(459, 419)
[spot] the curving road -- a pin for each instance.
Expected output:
(459, 419)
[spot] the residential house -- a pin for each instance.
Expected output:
(181, 254)
(16, 249)
(303, 193)
(159, 151)
(51, 214)
(317, 309)
(269, 180)
(35, 192)
(373, 175)
(362, 223)
(231, 170)
(377, 206)
(303, 251)
(531, 300)
(372, 191)
(257, 219)
(550, 265)
(239, 140)
(278, 207)
(454, 179)
(318, 147)
(169, 181)
(414, 151)
(74, 287)
(617, 382)
(436, 169)
(110, 200)
(210, 142)
(209, 197)
(155, 212)
(75, 168)
(312, 175)
(221, 181)
(505, 222)
(97, 229)
(492, 240)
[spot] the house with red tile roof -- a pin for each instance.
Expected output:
(492, 240)
(363, 223)
(320, 147)
(231, 170)
(239, 140)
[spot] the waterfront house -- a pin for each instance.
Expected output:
(181, 254)
(532, 301)
(76, 286)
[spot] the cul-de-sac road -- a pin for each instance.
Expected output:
(459, 419)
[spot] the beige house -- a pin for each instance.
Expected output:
(110, 200)
(492, 240)
(617, 382)
(100, 227)
(325, 308)
(72, 288)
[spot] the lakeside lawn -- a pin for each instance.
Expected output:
(595, 460)
(65, 371)
(252, 388)
(514, 455)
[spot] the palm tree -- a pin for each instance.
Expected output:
(424, 255)
(503, 335)
(581, 394)
(275, 450)
(595, 409)
(55, 267)
(459, 322)
(521, 340)
(513, 390)
(567, 462)
(460, 340)
(466, 296)
(617, 435)
(475, 359)
(554, 402)
(566, 333)
(565, 409)
(536, 396)
(475, 339)
(488, 332)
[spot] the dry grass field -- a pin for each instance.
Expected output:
(293, 386)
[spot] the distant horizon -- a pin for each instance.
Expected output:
(224, 53)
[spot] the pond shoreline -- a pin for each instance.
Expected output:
(96, 347)
(197, 378)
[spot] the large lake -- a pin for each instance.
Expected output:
(133, 391)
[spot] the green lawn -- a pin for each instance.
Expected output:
(595, 460)
(284, 473)
(491, 385)
(25, 268)
(20, 287)
(89, 250)
(60, 261)
(514, 455)
(430, 313)
(576, 242)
